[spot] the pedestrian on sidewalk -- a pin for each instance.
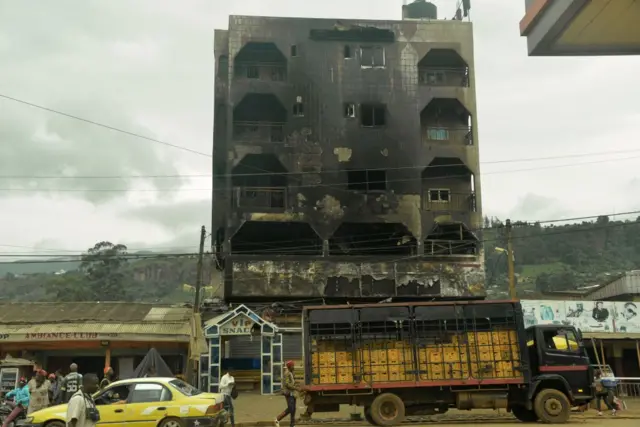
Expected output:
(603, 394)
(227, 384)
(289, 390)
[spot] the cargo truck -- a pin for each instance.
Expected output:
(403, 359)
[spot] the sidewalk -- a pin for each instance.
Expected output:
(255, 410)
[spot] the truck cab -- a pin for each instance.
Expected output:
(558, 359)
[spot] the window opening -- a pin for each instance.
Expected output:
(298, 109)
(347, 52)
(253, 72)
(367, 180)
(439, 195)
(294, 50)
(372, 115)
(349, 110)
(371, 56)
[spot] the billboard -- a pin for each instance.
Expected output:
(588, 316)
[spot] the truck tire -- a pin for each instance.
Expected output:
(525, 415)
(367, 415)
(387, 410)
(552, 406)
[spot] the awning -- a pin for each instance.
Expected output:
(612, 335)
(91, 331)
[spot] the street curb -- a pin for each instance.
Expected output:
(463, 420)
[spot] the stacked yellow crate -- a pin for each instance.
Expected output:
(331, 363)
(387, 361)
(443, 362)
(494, 354)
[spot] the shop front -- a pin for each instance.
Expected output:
(95, 335)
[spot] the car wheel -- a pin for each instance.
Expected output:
(55, 424)
(387, 410)
(171, 422)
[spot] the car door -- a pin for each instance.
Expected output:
(111, 403)
(148, 404)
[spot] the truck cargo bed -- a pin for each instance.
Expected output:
(417, 343)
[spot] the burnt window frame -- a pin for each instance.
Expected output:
(346, 108)
(373, 49)
(347, 52)
(293, 51)
(297, 110)
(373, 107)
(364, 186)
(439, 190)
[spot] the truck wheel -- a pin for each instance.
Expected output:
(367, 415)
(552, 406)
(523, 414)
(387, 410)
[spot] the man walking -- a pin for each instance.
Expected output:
(82, 411)
(227, 383)
(21, 399)
(71, 383)
(289, 389)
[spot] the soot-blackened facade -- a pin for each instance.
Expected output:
(346, 159)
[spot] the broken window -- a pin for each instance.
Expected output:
(439, 195)
(223, 67)
(357, 239)
(253, 72)
(349, 110)
(298, 109)
(259, 181)
(347, 52)
(367, 180)
(443, 67)
(276, 238)
(453, 238)
(371, 56)
(294, 50)
(372, 115)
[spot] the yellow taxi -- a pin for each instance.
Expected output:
(146, 402)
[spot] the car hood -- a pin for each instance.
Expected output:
(58, 412)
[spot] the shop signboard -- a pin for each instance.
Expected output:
(588, 316)
(239, 325)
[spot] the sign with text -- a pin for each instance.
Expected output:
(68, 336)
(240, 325)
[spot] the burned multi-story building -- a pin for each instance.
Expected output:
(345, 158)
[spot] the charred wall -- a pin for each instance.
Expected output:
(362, 132)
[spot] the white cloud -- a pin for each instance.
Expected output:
(147, 67)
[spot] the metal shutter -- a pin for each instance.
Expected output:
(292, 346)
(242, 346)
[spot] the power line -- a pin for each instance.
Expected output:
(333, 171)
(115, 129)
(335, 186)
(274, 244)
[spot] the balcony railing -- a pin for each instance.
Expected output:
(439, 76)
(442, 200)
(450, 247)
(258, 132)
(260, 197)
(275, 72)
(433, 134)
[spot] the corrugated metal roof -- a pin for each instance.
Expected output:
(65, 312)
(612, 335)
(101, 328)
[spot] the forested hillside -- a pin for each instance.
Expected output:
(548, 257)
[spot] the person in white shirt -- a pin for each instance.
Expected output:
(82, 411)
(227, 383)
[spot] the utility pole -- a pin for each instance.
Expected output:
(510, 262)
(196, 304)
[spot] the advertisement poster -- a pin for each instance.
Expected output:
(588, 316)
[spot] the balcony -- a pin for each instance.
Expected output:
(260, 61)
(261, 71)
(261, 198)
(434, 247)
(435, 134)
(250, 132)
(444, 77)
(443, 200)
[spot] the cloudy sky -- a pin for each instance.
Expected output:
(146, 66)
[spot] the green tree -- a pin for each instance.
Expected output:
(104, 266)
